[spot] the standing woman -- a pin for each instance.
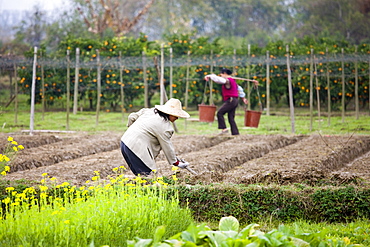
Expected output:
(150, 131)
(230, 96)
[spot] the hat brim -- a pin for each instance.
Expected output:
(173, 112)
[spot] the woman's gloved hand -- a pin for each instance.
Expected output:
(183, 164)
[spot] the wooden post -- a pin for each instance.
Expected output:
(33, 88)
(77, 76)
(356, 85)
(171, 72)
(317, 93)
(268, 83)
(42, 86)
(68, 88)
(343, 87)
(98, 81)
(161, 82)
(15, 94)
(291, 105)
(122, 92)
(146, 104)
(328, 85)
(311, 89)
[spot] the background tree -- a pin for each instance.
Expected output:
(99, 16)
(337, 19)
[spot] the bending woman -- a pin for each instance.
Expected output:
(150, 131)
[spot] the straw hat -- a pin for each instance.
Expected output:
(173, 107)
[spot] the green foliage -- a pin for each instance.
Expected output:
(253, 203)
(229, 234)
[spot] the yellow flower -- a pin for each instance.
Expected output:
(10, 139)
(15, 149)
(44, 174)
(175, 168)
(43, 188)
(20, 147)
(14, 143)
(6, 158)
(65, 184)
(7, 168)
(3, 173)
(6, 200)
(9, 189)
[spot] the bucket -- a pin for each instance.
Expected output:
(252, 118)
(207, 113)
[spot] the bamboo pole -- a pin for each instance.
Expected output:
(311, 89)
(68, 82)
(328, 85)
(211, 82)
(122, 85)
(291, 105)
(161, 82)
(317, 93)
(15, 94)
(268, 83)
(98, 81)
(343, 87)
(43, 87)
(248, 76)
(187, 81)
(171, 73)
(234, 62)
(77, 75)
(356, 85)
(146, 91)
(33, 88)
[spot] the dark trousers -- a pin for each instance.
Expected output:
(134, 163)
(229, 106)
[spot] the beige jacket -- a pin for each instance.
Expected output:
(147, 135)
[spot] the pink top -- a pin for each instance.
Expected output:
(231, 92)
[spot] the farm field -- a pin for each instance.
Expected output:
(245, 159)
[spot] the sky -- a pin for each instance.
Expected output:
(28, 4)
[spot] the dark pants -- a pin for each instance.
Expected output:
(229, 106)
(134, 163)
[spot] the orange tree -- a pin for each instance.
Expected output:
(131, 65)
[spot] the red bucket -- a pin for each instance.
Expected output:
(252, 118)
(207, 113)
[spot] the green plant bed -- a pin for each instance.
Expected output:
(285, 204)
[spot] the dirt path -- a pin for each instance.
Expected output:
(243, 159)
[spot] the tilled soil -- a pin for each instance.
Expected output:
(245, 159)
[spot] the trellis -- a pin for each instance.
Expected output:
(212, 60)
